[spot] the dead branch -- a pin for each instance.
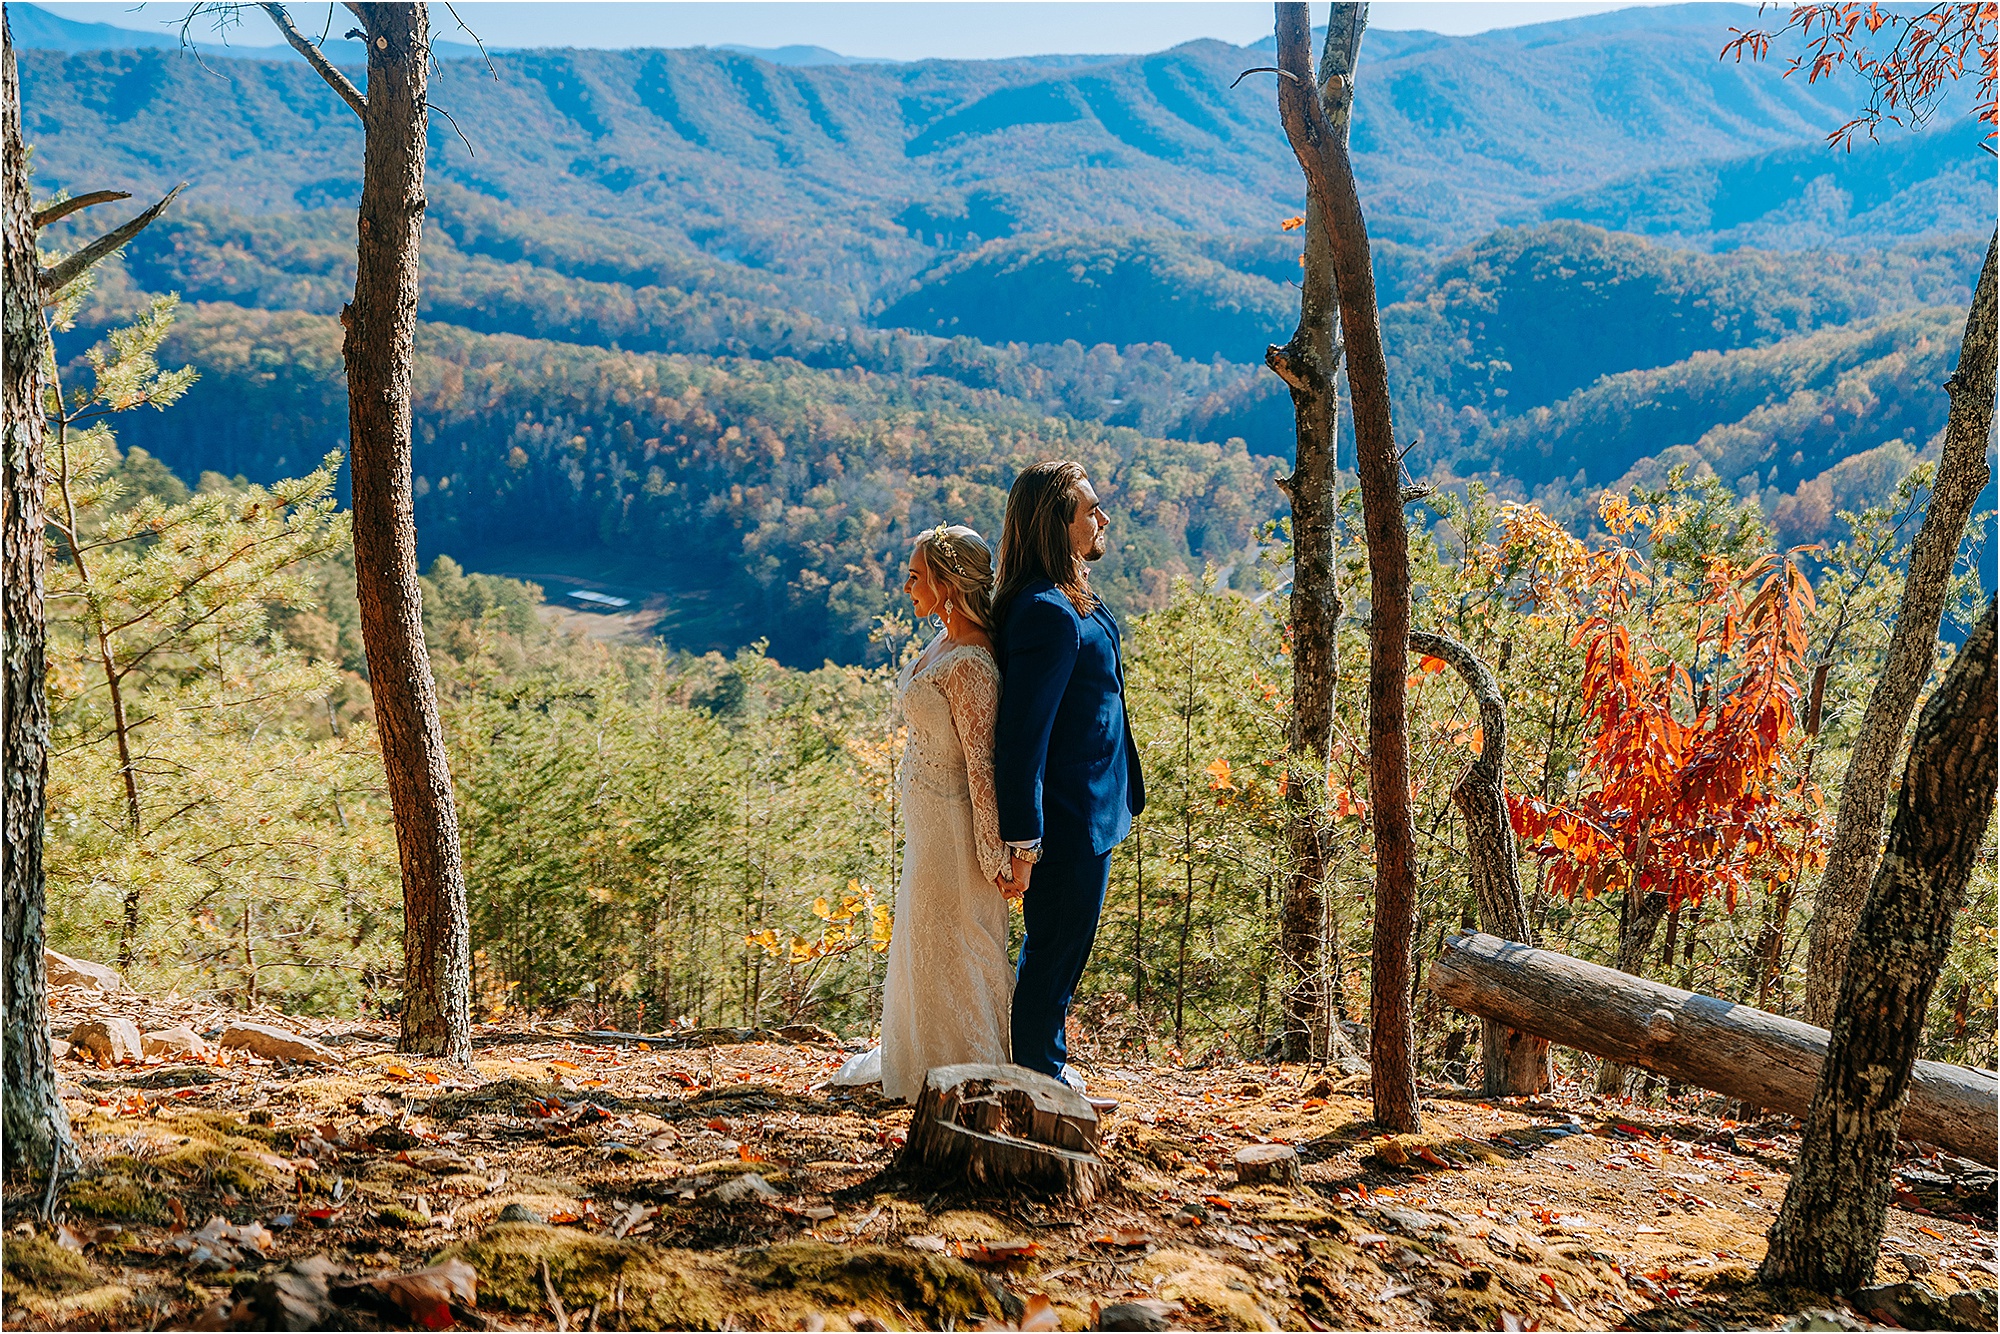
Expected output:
(61, 209)
(315, 57)
(66, 271)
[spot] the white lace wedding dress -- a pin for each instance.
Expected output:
(950, 987)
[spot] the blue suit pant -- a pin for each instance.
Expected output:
(1060, 911)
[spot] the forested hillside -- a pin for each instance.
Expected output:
(769, 498)
(1034, 252)
(849, 173)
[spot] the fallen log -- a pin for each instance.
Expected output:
(1003, 1127)
(1735, 1050)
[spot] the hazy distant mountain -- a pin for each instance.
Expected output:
(759, 296)
(35, 29)
(861, 174)
(801, 55)
(1803, 196)
(251, 38)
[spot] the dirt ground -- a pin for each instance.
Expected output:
(613, 1182)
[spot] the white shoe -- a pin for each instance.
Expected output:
(1071, 1078)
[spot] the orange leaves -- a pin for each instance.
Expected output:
(996, 1252)
(1905, 72)
(1293, 223)
(1218, 776)
(1683, 789)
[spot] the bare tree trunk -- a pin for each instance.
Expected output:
(1515, 1062)
(1639, 916)
(114, 678)
(1857, 833)
(1322, 153)
(1307, 364)
(35, 1125)
(378, 348)
(1829, 1230)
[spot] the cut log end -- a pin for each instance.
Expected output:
(1268, 1165)
(1002, 1127)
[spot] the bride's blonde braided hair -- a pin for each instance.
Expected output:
(962, 564)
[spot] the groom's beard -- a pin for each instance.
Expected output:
(1096, 551)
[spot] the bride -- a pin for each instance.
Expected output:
(950, 986)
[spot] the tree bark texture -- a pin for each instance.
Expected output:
(1829, 1229)
(1307, 365)
(1740, 1052)
(35, 1125)
(1515, 1062)
(1961, 475)
(1322, 154)
(378, 348)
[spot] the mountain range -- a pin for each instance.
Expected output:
(892, 282)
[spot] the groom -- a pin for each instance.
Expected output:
(1066, 769)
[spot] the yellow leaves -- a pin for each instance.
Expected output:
(1620, 516)
(884, 921)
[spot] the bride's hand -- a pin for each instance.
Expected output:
(1013, 881)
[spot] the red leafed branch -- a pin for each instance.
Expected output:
(1685, 795)
(1909, 60)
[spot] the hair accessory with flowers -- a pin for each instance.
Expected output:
(942, 547)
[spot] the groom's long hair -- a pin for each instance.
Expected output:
(1034, 538)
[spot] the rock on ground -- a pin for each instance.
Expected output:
(67, 972)
(115, 1039)
(178, 1041)
(274, 1043)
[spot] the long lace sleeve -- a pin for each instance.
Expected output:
(970, 684)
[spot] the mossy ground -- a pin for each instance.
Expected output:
(38, 1266)
(1547, 1213)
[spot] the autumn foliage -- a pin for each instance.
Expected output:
(1910, 60)
(1681, 788)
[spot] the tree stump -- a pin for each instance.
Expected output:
(1268, 1165)
(1005, 1127)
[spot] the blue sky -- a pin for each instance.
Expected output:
(898, 29)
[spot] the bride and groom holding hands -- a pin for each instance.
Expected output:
(1019, 776)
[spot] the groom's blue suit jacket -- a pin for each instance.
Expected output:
(1065, 766)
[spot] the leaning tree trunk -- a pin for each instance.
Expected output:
(1736, 1050)
(1306, 364)
(1961, 475)
(1322, 154)
(1515, 1062)
(1829, 1229)
(378, 348)
(35, 1125)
